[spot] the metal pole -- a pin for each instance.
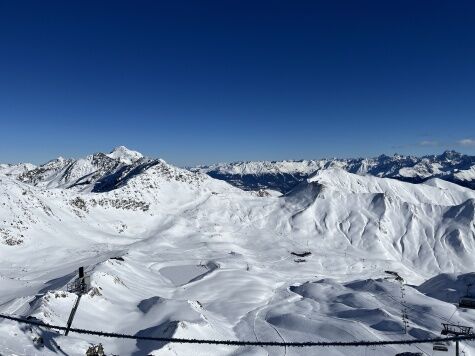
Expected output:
(71, 316)
(457, 349)
(76, 303)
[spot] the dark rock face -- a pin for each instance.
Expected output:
(117, 178)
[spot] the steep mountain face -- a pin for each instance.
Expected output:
(283, 176)
(103, 170)
(170, 252)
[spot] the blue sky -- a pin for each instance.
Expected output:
(205, 81)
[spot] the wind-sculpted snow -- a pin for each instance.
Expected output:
(171, 252)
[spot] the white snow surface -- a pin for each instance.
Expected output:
(261, 167)
(174, 253)
(125, 155)
(15, 169)
(467, 175)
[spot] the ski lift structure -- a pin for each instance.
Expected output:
(79, 287)
(456, 330)
(440, 346)
(452, 330)
(467, 301)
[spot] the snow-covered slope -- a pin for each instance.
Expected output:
(176, 253)
(285, 175)
(14, 170)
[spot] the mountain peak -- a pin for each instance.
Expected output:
(450, 154)
(125, 155)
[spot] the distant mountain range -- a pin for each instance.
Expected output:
(283, 176)
(103, 172)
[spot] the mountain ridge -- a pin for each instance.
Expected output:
(285, 175)
(169, 250)
(282, 176)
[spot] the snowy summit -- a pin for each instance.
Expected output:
(125, 155)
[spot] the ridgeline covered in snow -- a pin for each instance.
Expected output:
(283, 176)
(174, 252)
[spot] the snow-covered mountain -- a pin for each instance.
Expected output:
(97, 172)
(124, 155)
(285, 175)
(15, 170)
(171, 252)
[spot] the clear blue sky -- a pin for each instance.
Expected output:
(205, 81)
